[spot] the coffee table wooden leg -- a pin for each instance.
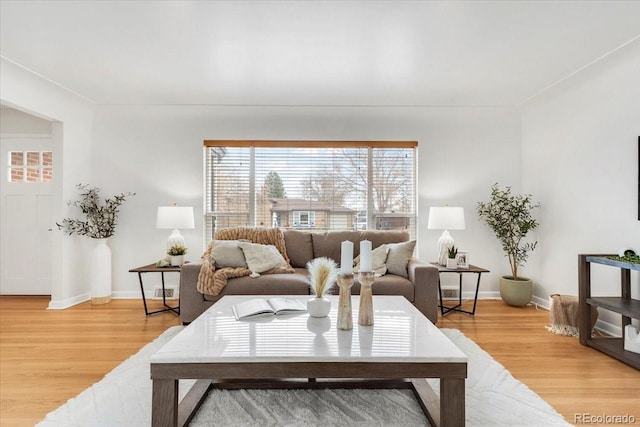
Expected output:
(192, 401)
(452, 402)
(428, 399)
(164, 403)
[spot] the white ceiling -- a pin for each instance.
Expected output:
(437, 53)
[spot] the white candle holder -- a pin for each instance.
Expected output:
(345, 316)
(365, 312)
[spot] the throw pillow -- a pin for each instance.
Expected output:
(261, 235)
(398, 258)
(261, 258)
(227, 253)
(378, 258)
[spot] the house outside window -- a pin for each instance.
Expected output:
(304, 219)
(310, 185)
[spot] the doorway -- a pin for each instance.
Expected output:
(26, 220)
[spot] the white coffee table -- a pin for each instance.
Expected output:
(400, 350)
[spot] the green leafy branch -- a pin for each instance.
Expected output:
(101, 217)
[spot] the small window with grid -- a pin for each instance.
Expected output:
(30, 166)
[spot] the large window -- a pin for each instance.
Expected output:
(310, 185)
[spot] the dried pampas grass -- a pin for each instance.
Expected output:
(322, 274)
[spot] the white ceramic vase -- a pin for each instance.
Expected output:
(452, 263)
(100, 272)
(177, 260)
(318, 307)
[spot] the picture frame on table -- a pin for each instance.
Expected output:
(462, 258)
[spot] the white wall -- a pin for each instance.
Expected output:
(157, 153)
(580, 159)
(13, 122)
(574, 148)
(71, 119)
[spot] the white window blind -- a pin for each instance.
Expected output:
(310, 185)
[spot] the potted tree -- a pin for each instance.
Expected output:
(510, 217)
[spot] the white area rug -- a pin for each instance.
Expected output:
(123, 398)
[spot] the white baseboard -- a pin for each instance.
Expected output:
(130, 294)
(469, 295)
(70, 302)
(542, 302)
(609, 328)
(466, 295)
(148, 295)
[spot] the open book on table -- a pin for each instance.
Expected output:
(270, 306)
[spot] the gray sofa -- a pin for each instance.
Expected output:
(420, 287)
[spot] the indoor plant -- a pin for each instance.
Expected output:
(510, 217)
(452, 263)
(322, 273)
(177, 253)
(100, 218)
(99, 223)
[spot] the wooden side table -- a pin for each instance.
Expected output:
(472, 269)
(620, 302)
(151, 268)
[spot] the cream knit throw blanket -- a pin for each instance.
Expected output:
(565, 315)
(212, 281)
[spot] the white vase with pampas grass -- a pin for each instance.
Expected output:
(322, 274)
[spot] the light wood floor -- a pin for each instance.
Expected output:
(49, 356)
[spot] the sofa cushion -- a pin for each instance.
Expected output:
(261, 235)
(261, 258)
(379, 237)
(398, 257)
(272, 284)
(378, 261)
(328, 244)
(389, 284)
(227, 253)
(299, 247)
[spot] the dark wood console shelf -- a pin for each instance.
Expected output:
(626, 306)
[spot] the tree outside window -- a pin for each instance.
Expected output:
(322, 188)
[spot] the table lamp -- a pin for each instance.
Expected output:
(175, 217)
(445, 218)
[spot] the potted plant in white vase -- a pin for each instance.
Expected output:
(322, 274)
(511, 219)
(176, 254)
(452, 262)
(99, 223)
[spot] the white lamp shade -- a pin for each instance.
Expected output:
(446, 218)
(175, 217)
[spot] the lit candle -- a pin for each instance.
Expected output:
(346, 257)
(366, 256)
